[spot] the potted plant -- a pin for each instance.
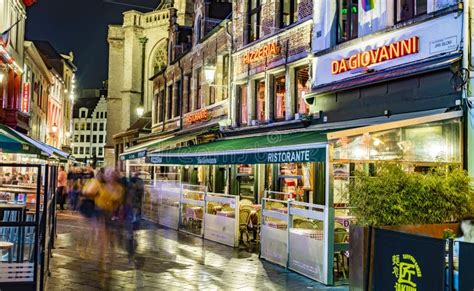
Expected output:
(403, 200)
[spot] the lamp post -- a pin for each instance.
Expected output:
(140, 108)
(210, 74)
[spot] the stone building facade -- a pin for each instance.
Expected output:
(137, 50)
(36, 86)
(271, 64)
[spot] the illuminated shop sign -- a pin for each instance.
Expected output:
(381, 54)
(25, 99)
(261, 53)
(196, 117)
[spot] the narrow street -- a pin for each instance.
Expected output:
(163, 260)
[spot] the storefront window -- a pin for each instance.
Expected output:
(302, 88)
(296, 179)
(260, 96)
(279, 95)
(243, 105)
(432, 142)
(347, 20)
(408, 9)
(246, 181)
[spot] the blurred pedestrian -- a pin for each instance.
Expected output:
(138, 190)
(75, 186)
(61, 189)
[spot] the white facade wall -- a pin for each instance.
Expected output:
(90, 132)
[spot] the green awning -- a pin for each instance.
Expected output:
(10, 144)
(141, 150)
(263, 149)
(32, 146)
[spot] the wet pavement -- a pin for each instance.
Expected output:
(159, 259)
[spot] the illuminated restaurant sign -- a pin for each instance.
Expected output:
(25, 98)
(381, 54)
(196, 117)
(261, 53)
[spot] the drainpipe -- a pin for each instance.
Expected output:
(143, 41)
(469, 125)
(230, 76)
(180, 110)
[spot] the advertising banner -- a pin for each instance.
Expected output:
(408, 262)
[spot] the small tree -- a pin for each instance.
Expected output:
(394, 196)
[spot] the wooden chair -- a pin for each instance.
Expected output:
(276, 205)
(305, 224)
(226, 207)
(244, 218)
(340, 236)
(297, 222)
(245, 202)
(250, 208)
(318, 225)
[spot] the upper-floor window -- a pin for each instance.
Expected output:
(409, 9)
(348, 20)
(161, 110)
(302, 87)
(88, 126)
(178, 98)
(94, 126)
(288, 12)
(83, 113)
(253, 20)
(198, 90)
(225, 76)
(187, 95)
(101, 126)
(169, 104)
(279, 109)
(260, 96)
(243, 105)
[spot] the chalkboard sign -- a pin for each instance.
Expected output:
(466, 266)
(407, 262)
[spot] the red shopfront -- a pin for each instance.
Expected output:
(11, 113)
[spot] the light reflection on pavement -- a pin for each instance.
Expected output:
(159, 259)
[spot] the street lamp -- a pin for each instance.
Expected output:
(54, 128)
(210, 74)
(140, 110)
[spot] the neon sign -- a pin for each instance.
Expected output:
(261, 53)
(197, 116)
(364, 59)
(25, 100)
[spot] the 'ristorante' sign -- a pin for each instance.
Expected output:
(261, 53)
(364, 59)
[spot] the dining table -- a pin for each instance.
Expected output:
(226, 213)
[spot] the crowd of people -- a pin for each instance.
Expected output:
(100, 193)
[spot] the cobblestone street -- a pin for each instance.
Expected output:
(162, 259)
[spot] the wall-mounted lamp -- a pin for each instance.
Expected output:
(140, 110)
(54, 128)
(210, 74)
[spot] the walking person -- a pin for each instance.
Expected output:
(61, 189)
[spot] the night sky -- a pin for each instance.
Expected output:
(80, 26)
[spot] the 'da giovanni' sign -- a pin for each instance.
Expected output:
(381, 54)
(406, 45)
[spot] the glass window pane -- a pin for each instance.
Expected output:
(260, 113)
(279, 102)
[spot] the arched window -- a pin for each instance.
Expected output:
(160, 58)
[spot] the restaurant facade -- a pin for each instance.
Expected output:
(317, 90)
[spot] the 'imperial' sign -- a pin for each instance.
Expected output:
(197, 116)
(364, 59)
(261, 53)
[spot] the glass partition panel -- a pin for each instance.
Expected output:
(168, 194)
(192, 208)
(222, 219)
(274, 234)
(307, 240)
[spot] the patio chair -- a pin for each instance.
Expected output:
(226, 207)
(318, 225)
(340, 236)
(244, 218)
(305, 224)
(297, 222)
(250, 208)
(276, 205)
